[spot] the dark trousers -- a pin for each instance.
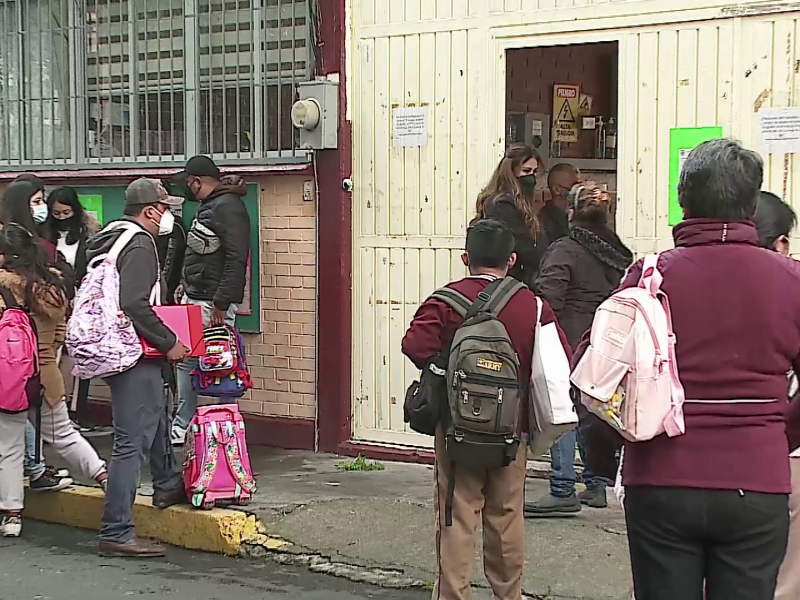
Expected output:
(141, 412)
(82, 410)
(680, 538)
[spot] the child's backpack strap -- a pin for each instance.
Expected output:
(455, 300)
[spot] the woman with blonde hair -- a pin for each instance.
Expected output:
(510, 197)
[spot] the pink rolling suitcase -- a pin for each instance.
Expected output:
(216, 466)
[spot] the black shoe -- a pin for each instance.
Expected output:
(163, 501)
(49, 482)
(594, 498)
(553, 506)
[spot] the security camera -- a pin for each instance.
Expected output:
(347, 185)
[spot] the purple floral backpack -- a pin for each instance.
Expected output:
(101, 340)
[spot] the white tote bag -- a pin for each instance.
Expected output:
(551, 412)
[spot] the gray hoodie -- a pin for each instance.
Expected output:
(138, 269)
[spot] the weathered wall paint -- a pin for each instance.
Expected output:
(681, 65)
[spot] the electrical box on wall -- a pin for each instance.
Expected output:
(532, 129)
(316, 114)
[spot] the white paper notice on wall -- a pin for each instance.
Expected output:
(409, 126)
(683, 154)
(780, 130)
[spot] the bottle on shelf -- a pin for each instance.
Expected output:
(611, 139)
(600, 139)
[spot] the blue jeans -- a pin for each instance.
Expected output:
(563, 476)
(33, 469)
(187, 396)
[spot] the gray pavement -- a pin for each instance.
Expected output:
(356, 523)
(57, 563)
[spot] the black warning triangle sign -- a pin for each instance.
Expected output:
(566, 115)
(584, 105)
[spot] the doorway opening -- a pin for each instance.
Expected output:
(563, 101)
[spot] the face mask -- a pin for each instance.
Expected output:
(39, 213)
(528, 183)
(64, 224)
(166, 223)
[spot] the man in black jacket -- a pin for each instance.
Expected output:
(553, 215)
(139, 400)
(215, 267)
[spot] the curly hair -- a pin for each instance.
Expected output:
(504, 182)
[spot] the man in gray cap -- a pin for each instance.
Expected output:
(139, 400)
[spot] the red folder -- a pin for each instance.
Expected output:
(186, 320)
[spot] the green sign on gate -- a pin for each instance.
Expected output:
(682, 140)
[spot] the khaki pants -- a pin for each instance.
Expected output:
(496, 497)
(789, 577)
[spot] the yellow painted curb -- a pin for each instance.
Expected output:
(218, 530)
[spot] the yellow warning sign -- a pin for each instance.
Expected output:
(585, 107)
(566, 100)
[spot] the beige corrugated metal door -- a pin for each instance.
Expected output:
(411, 205)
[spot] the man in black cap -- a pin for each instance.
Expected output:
(215, 266)
(141, 410)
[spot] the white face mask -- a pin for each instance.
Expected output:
(166, 224)
(39, 213)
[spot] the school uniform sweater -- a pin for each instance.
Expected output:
(435, 321)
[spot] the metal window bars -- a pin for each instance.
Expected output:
(87, 83)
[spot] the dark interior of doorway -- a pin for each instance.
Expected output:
(532, 75)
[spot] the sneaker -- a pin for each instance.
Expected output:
(48, 482)
(178, 435)
(551, 505)
(57, 473)
(11, 526)
(82, 428)
(594, 498)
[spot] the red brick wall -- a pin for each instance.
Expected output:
(532, 72)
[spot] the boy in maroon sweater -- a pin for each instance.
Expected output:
(496, 493)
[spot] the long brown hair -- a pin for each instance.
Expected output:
(504, 182)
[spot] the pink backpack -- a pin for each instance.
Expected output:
(20, 387)
(101, 340)
(216, 466)
(628, 375)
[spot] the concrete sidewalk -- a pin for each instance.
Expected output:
(378, 527)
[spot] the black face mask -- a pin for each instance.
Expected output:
(183, 190)
(64, 224)
(528, 183)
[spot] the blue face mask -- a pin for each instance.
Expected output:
(39, 213)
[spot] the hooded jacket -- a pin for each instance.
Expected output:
(218, 246)
(578, 273)
(138, 272)
(49, 315)
(736, 316)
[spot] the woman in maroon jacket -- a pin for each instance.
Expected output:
(712, 505)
